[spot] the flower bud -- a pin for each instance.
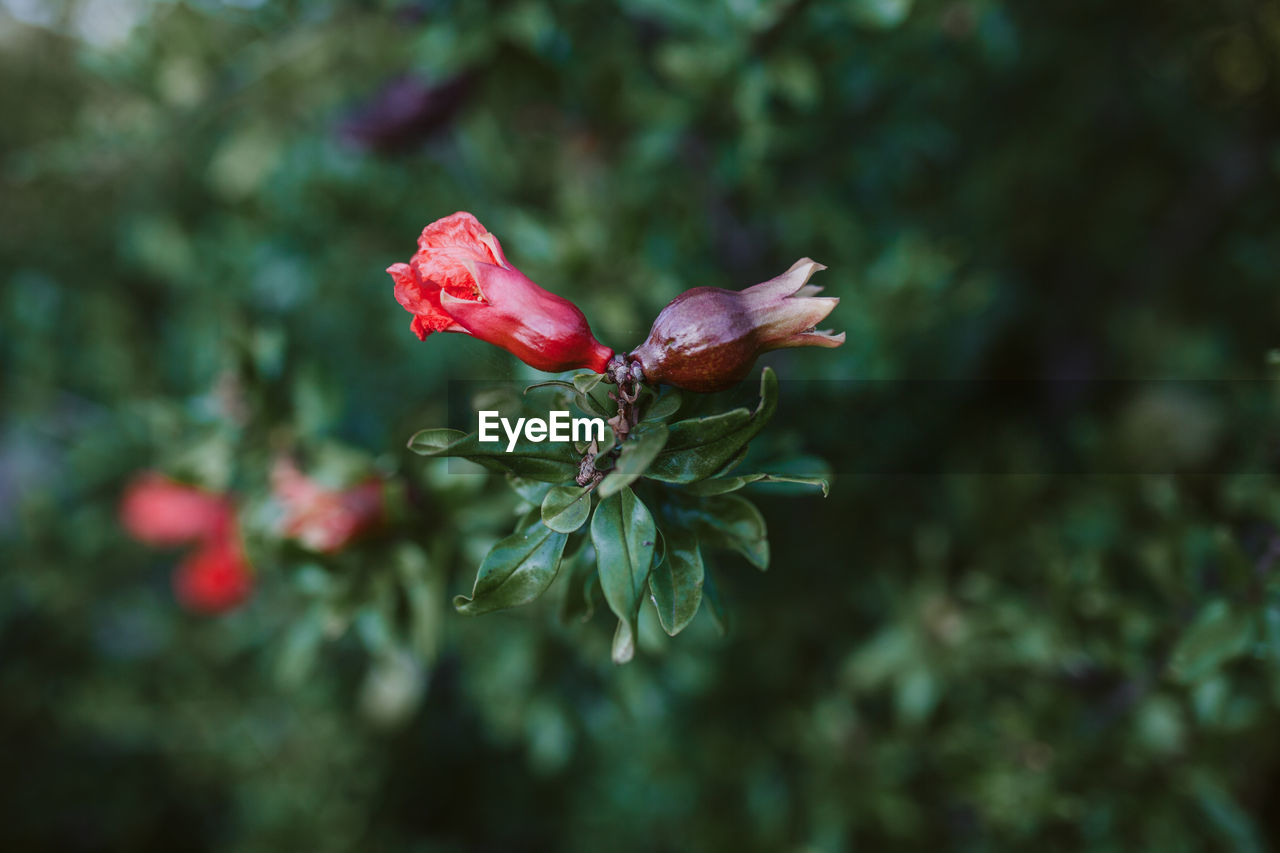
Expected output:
(459, 280)
(323, 519)
(707, 338)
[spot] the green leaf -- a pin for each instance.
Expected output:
(735, 523)
(702, 447)
(1236, 828)
(530, 491)
(424, 593)
(667, 403)
(586, 382)
(579, 601)
(1271, 624)
(551, 383)
(565, 508)
(721, 485)
(638, 451)
(590, 405)
(916, 694)
(659, 549)
(435, 442)
(301, 646)
(546, 461)
(734, 462)
(623, 533)
(581, 398)
(715, 605)
(698, 432)
(1218, 634)
(676, 582)
(373, 623)
(881, 14)
(515, 571)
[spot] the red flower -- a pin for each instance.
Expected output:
(322, 519)
(215, 577)
(460, 281)
(159, 511)
(707, 338)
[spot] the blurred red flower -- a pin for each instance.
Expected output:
(157, 510)
(215, 577)
(160, 511)
(323, 519)
(459, 280)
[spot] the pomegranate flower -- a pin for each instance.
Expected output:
(322, 519)
(459, 280)
(159, 511)
(707, 338)
(216, 576)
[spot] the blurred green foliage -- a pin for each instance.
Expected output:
(192, 256)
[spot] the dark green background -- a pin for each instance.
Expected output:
(1039, 191)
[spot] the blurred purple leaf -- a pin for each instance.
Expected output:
(403, 113)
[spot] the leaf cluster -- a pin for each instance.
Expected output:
(639, 532)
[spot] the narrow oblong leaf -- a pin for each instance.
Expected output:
(735, 523)
(666, 405)
(590, 405)
(1271, 630)
(624, 642)
(713, 449)
(638, 451)
(722, 485)
(515, 571)
(581, 398)
(715, 605)
(373, 621)
(623, 533)
(301, 647)
(579, 600)
(1218, 634)
(565, 508)
(435, 442)
(586, 382)
(530, 491)
(687, 466)
(734, 461)
(546, 461)
(551, 383)
(676, 582)
(423, 591)
(659, 549)
(698, 432)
